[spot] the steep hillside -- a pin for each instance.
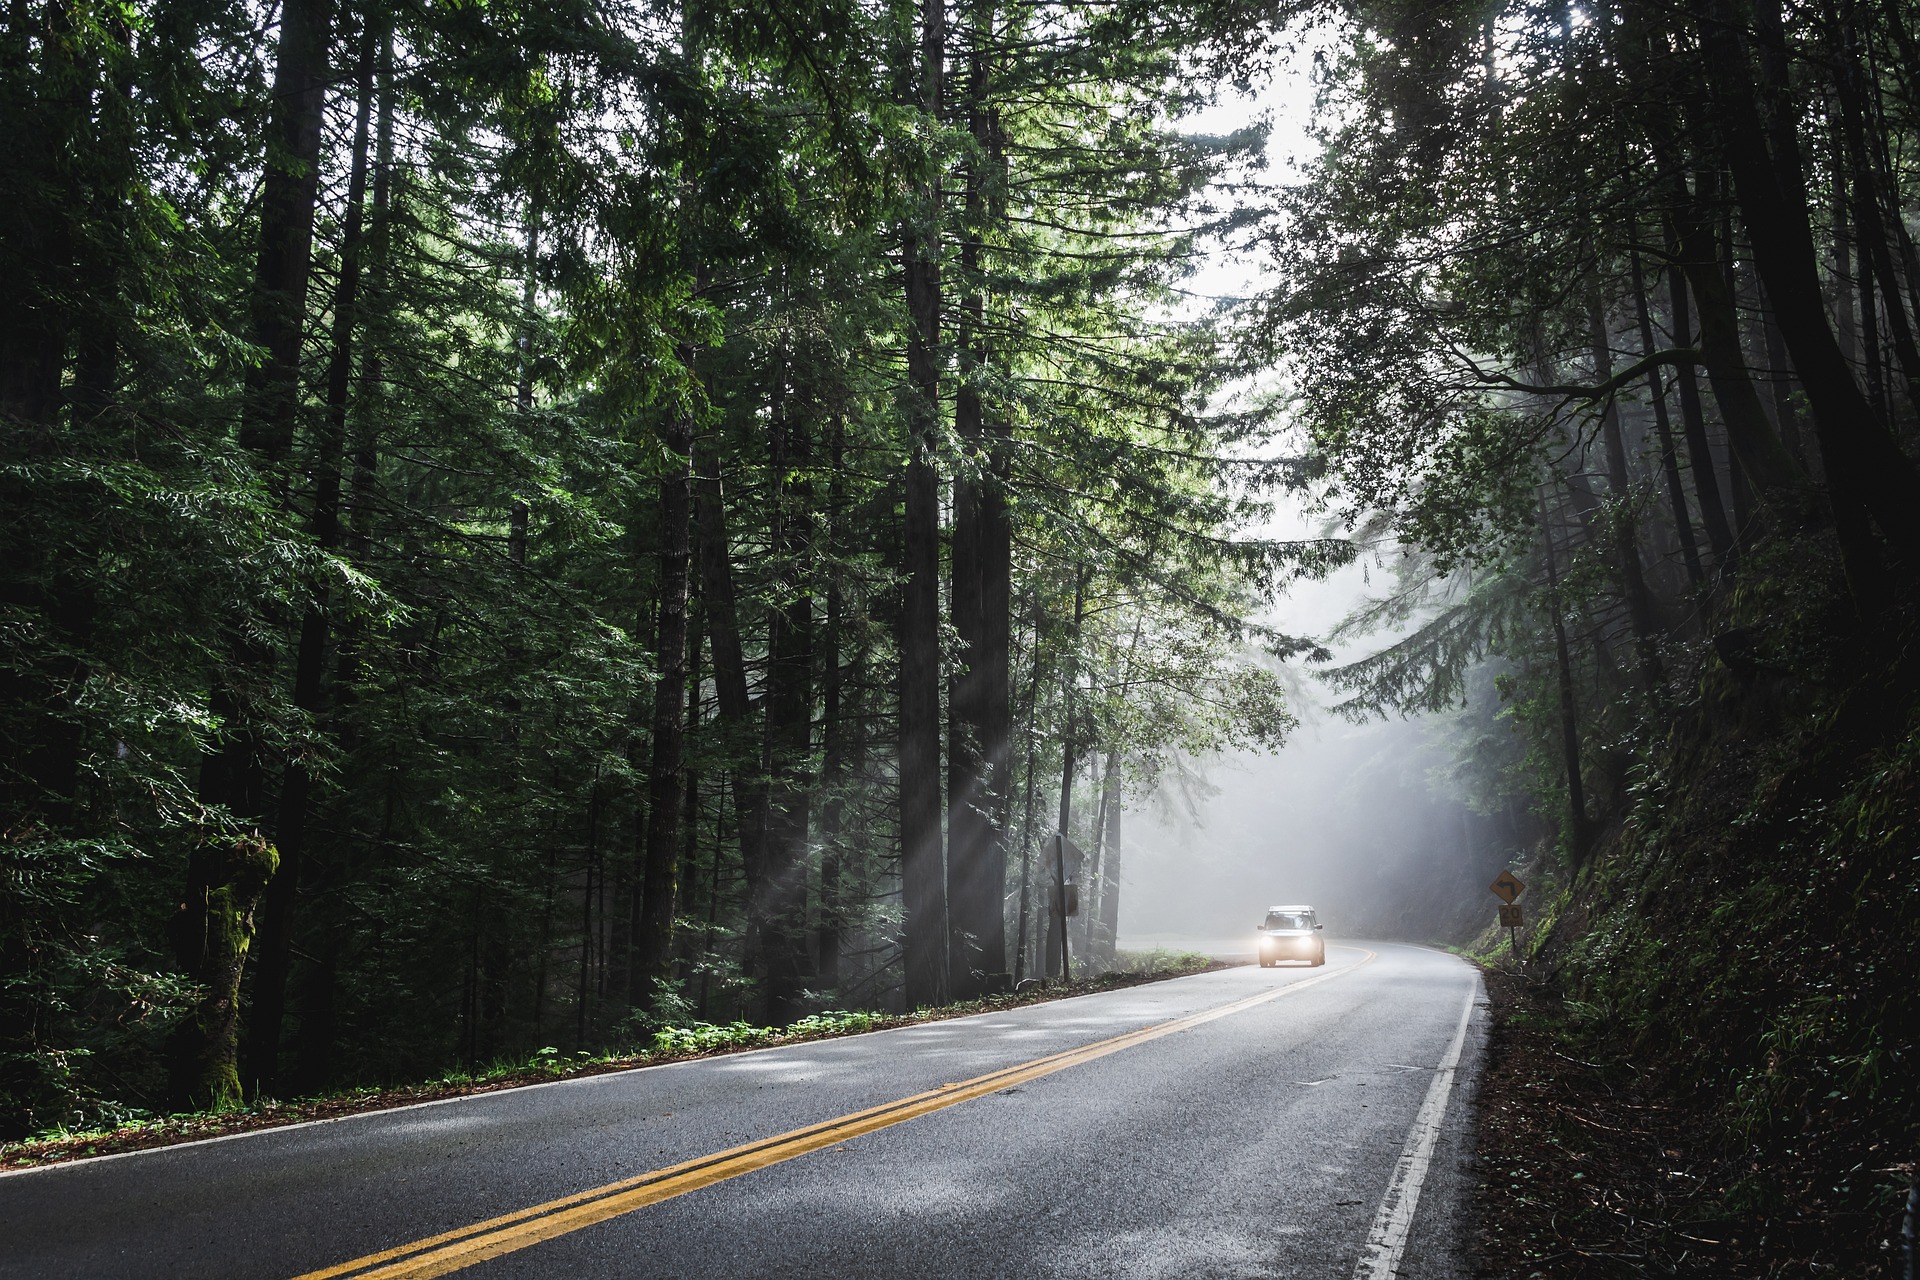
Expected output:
(1738, 956)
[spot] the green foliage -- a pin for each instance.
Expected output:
(705, 1037)
(416, 646)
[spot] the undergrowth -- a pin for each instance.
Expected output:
(667, 1044)
(1740, 948)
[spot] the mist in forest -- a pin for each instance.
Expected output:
(1345, 817)
(1361, 821)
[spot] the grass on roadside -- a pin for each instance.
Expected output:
(669, 1044)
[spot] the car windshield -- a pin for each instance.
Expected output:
(1287, 920)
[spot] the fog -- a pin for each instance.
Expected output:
(1345, 817)
(1352, 819)
(1358, 820)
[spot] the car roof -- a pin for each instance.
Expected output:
(1271, 910)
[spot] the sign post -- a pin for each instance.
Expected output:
(1507, 887)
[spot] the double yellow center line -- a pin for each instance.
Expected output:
(453, 1250)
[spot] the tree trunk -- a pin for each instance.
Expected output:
(922, 870)
(977, 699)
(1780, 388)
(1706, 483)
(233, 772)
(993, 666)
(1751, 439)
(212, 932)
(1869, 479)
(740, 745)
(1876, 260)
(289, 192)
(1026, 809)
(836, 771)
(1619, 517)
(667, 772)
(1098, 944)
(1663, 433)
(787, 746)
(1569, 716)
(260, 1058)
(1059, 963)
(1110, 871)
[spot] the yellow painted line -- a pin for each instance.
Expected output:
(453, 1250)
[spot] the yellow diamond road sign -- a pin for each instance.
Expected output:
(1508, 887)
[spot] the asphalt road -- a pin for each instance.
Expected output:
(1287, 1130)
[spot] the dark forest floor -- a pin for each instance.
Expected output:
(169, 1131)
(1592, 1166)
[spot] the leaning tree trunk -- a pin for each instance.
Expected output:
(1663, 432)
(1693, 421)
(1870, 481)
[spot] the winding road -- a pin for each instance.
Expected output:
(1243, 1123)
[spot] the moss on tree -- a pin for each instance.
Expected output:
(212, 933)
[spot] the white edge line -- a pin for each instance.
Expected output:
(1387, 1237)
(90, 1161)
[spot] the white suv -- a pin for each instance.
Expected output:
(1291, 933)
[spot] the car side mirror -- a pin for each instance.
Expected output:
(1319, 926)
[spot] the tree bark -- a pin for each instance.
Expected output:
(782, 909)
(1110, 856)
(1706, 483)
(1059, 963)
(260, 1057)
(922, 869)
(212, 932)
(1620, 522)
(1663, 433)
(667, 772)
(1569, 715)
(290, 190)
